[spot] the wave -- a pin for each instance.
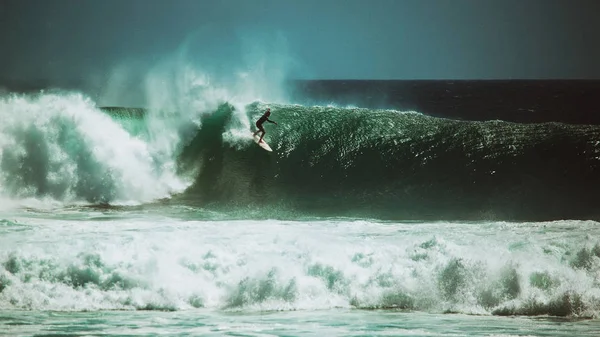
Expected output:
(400, 165)
(327, 161)
(62, 147)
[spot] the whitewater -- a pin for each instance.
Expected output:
(170, 220)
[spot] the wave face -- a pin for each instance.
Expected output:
(390, 164)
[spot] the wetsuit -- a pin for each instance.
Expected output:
(261, 120)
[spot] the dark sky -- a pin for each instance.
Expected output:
(323, 39)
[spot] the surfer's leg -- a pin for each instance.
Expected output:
(259, 127)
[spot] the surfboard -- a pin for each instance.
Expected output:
(264, 144)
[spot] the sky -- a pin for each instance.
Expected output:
(62, 40)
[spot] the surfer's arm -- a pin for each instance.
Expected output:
(270, 121)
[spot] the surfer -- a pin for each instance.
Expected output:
(259, 124)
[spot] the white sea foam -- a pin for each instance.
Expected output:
(62, 147)
(161, 263)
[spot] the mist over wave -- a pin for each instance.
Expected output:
(57, 147)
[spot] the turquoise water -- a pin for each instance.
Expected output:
(335, 322)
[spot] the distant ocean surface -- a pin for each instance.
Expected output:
(521, 101)
(407, 208)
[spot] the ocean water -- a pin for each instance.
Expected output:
(363, 221)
